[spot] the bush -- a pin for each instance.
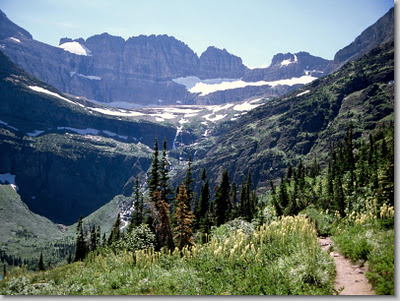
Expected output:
(353, 242)
(140, 238)
(323, 222)
(381, 266)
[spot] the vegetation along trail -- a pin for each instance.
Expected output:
(350, 277)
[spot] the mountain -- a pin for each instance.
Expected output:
(217, 63)
(301, 124)
(288, 65)
(69, 159)
(144, 70)
(382, 31)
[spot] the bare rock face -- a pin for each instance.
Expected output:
(217, 63)
(141, 70)
(288, 65)
(379, 33)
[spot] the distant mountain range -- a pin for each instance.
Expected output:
(153, 70)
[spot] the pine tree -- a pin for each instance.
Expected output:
(69, 259)
(163, 227)
(202, 207)
(338, 196)
(41, 264)
(4, 271)
(137, 216)
(164, 177)
(189, 183)
(283, 198)
(233, 201)
(222, 200)
(184, 220)
(98, 237)
(115, 233)
(154, 174)
(93, 239)
(81, 248)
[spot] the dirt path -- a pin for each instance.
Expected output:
(349, 276)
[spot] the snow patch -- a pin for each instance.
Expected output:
(246, 106)
(289, 61)
(79, 131)
(252, 67)
(191, 81)
(10, 179)
(15, 40)
(117, 113)
(183, 121)
(214, 119)
(45, 91)
(303, 93)
(35, 133)
(7, 125)
(205, 89)
(255, 100)
(309, 72)
(75, 48)
(91, 77)
(108, 133)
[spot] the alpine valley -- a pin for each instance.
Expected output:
(104, 130)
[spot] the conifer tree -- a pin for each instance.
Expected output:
(184, 218)
(222, 204)
(69, 259)
(41, 263)
(233, 201)
(283, 198)
(81, 248)
(98, 236)
(163, 226)
(4, 271)
(93, 239)
(189, 184)
(164, 177)
(115, 233)
(137, 216)
(203, 206)
(339, 197)
(154, 181)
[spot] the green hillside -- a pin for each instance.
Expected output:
(302, 124)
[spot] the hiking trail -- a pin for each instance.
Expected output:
(348, 275)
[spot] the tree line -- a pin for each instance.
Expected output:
(174, 215)
(365, 168)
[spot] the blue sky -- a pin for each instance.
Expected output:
(255, 30)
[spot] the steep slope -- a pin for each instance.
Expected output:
(288, 65)
(382, 31)
(153, 70)
(301, 124)
(67, 158)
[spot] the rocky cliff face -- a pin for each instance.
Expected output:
(67, 159)
(217, 63)
(288, 65)
(379, 33)
(141, 69)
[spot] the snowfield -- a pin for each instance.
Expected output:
(15, 40)
(91, 77)
(75, 48)
(204, 88)
(303, 93)
(45, 91)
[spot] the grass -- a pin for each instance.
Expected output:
(279, 258)
(370, 237)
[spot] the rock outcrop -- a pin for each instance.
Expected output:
(217, 63)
